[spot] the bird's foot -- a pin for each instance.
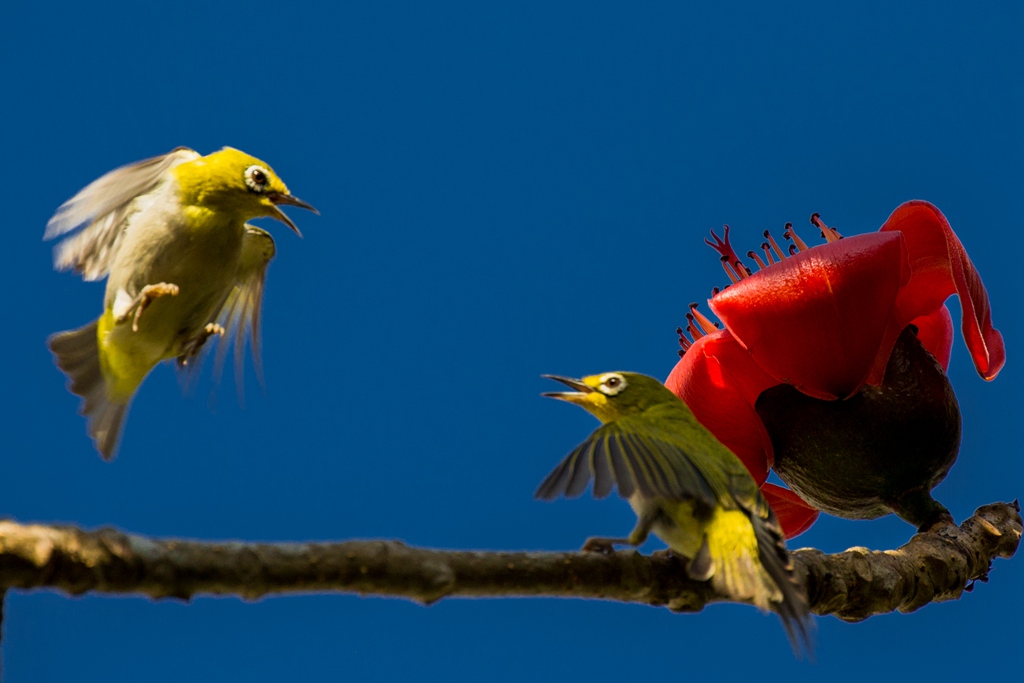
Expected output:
(148, 295)
(605, 546)
(194, 345)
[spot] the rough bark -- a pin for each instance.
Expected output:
(853, 585)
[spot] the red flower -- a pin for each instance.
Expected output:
(825, 320)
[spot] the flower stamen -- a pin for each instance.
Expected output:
(728, 271)
(767, 253)
(705, 324)
(697, 325)
(684, 343)
(830, 234)
(757, 259)
(790, 234)
(775, 246)
(691, 327)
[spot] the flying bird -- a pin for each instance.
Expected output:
(182, 265)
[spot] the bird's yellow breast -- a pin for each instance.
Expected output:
(195, 247)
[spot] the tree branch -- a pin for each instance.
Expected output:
(853, 585)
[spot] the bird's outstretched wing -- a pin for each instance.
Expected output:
(239, 314)
(631, 460)
(104, 207)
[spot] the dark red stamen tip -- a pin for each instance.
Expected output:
(830, 234)
(757, 259)
(729, 271)
(774, 245)
(683, 341)
(702, 320)
(790, 234)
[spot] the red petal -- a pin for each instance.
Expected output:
(940, 267)
(718, 390)
(818, 319)
(936, 334)
(793, 513)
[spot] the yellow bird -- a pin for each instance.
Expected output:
(170, 235)
(686, 487)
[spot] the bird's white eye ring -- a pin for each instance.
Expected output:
(256, 178)
(612, 383)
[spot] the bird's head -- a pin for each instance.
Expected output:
(231, 180)
(612, 395)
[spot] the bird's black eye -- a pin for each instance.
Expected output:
(612, 384)
(256, 178)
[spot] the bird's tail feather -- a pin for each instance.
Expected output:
(751, 565)
(77, 353)
(791, 605)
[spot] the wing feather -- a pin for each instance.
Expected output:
(554, 484)
(557, 483)
(639, 465)
(105, 207)
(624, 479)
(604, 479)
(658, 468)
(239, 313)
(581, 471)
(635, 462)
(684, 473)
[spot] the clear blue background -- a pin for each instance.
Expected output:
(507, 190)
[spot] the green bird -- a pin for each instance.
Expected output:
(170, 235)
(686, 487)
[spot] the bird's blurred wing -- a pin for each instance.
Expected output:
(627, 456)
(240, 312)
(104, 207)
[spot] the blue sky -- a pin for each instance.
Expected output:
(507, 189)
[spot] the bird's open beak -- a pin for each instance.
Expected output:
(571, 396)
(277, 198)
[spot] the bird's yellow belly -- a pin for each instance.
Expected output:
(203, 264)
(170, 321)
(676, 524)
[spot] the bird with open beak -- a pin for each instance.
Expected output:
(685, 487)
(170, 235)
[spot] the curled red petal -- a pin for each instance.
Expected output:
(940, 267)
(936, 334)
(715, 379)
(793, 513)
(818, 319)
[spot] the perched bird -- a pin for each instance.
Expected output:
(170, 234)
(686, 487)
